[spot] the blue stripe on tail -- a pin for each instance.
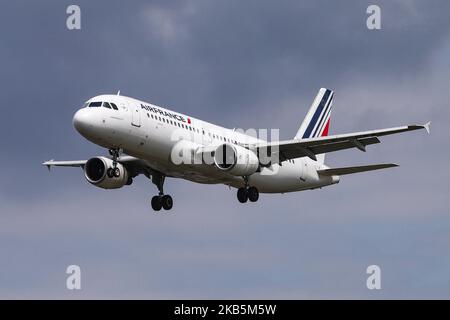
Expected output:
(323, 117)
(317, 114)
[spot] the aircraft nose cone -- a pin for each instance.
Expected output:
(81, 121)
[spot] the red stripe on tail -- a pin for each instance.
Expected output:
(325, 131)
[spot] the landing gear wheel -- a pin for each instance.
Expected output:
(167, 202)
(157, 203)
(114, 171)
(253, 194)
(161, 200)
(242, 195)
(110, 172)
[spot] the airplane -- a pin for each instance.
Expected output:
(143, 138)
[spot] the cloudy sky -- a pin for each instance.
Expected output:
(246, 64)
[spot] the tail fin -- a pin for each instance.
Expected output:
(317, 120)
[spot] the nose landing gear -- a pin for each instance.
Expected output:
(114, 171)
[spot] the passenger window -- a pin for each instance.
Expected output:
(113, 105)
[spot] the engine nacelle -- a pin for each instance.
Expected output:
(236, 160)
(95, 171)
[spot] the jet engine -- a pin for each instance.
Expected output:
(100, 172)
(236, 160)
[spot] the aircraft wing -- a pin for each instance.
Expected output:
(292, 149)
(134, 165)
(73, 163)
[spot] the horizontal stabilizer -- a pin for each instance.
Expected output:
(350, 170)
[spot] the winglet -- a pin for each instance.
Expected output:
(427, 126)
(48, 164)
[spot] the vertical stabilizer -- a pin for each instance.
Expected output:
(317, 120)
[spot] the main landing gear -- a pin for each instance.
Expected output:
(247, 193)
(161, 201)
(114, 171)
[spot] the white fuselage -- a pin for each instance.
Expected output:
(150, 132)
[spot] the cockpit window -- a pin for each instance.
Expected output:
(95, 104)
(105, 104)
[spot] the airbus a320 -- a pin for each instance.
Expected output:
(143, 138)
